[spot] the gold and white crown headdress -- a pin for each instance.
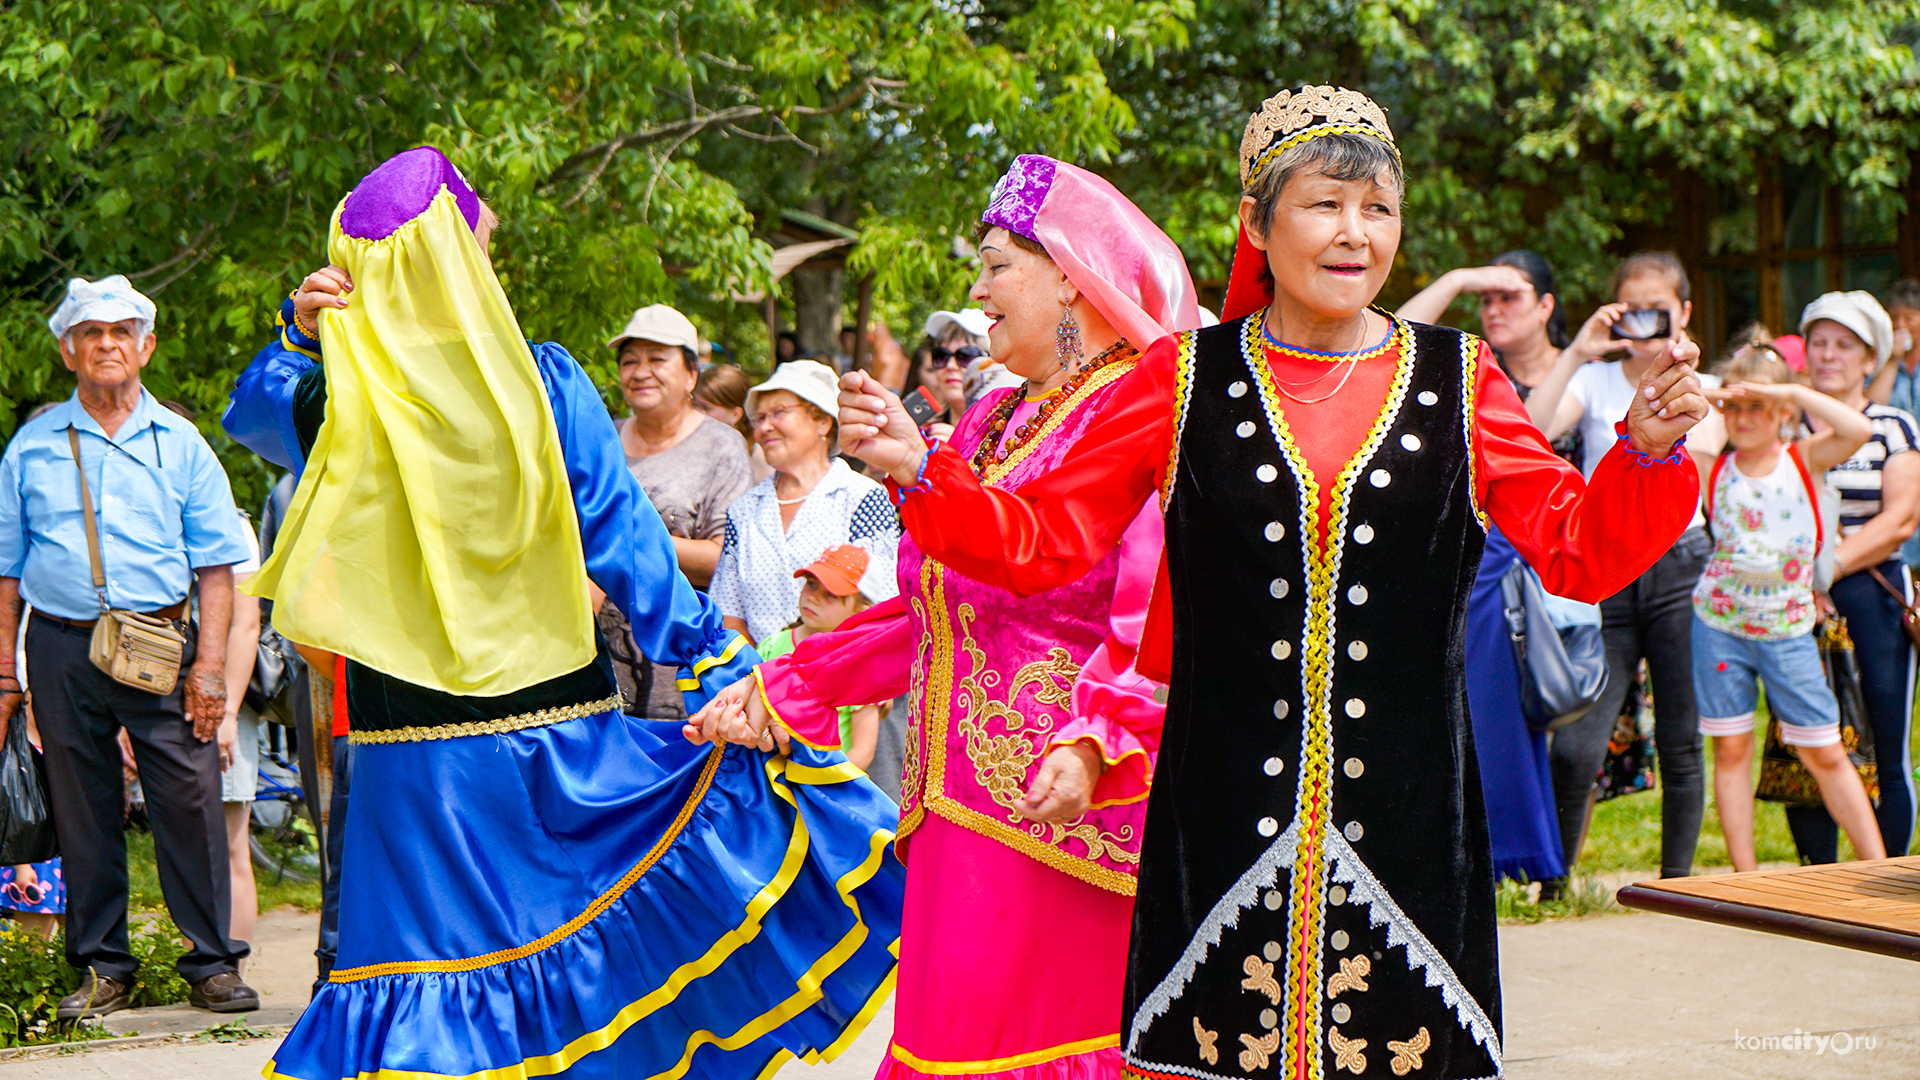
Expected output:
(1292, 117)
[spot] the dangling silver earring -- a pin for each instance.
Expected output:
(1066, 342)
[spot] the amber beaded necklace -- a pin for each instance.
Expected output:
(990, 452)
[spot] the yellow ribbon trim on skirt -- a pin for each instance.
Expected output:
(807, 989)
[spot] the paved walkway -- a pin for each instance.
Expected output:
(1611, 996)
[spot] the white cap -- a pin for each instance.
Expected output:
(661, 325)
(970, 320)
(1858, 312)
(808, 380)
(111, 299)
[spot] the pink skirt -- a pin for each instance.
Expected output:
(1008, 969)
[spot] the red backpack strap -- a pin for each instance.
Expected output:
(1813, 496)
(1713, 482)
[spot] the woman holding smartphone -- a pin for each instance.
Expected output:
(1651, 619)
(955, 339)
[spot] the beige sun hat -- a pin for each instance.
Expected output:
(809, 380)
(660, 324)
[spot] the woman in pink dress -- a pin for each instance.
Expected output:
(1032, 741)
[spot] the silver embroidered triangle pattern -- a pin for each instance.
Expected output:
(1349, 871)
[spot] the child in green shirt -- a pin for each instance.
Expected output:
(830, 595)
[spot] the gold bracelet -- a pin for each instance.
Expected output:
(302, 327)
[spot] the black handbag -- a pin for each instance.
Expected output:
(26, 814)
(1628, 768)
(276, 666)
(1563, 670)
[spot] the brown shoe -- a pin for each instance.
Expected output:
(224, 993)
(98, 995)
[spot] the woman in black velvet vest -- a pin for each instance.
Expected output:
(1315, 891)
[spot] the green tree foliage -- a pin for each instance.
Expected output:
(201, 147)
(631, 147)
(1555, 125)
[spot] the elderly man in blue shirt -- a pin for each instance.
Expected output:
(166, 521)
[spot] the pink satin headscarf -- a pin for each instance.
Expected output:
(1119, 260)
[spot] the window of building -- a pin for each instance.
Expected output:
(1770, 251)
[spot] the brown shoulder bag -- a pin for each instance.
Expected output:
(133, 649)
(1909, 618)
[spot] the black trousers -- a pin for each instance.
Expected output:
(1885, 655)
(81, 711)
(1651, 618)
(329, 947)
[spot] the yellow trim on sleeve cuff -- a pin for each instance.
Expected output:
(1108, 762)
(291, 347)
(708, 663)
(761, 685)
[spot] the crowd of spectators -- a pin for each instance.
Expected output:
(1850, 350)
(791, 540)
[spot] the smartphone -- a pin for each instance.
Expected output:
(1646, 324)
(920, 406)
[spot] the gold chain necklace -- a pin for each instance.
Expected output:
(1351, 367)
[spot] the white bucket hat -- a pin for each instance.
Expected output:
(111, 299)
(809, 380)
(1858, 312)
(970, 320)
(660, 324)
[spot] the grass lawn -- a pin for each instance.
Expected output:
(144, 883)
(1625, 834)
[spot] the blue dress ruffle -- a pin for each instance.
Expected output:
(603, 898)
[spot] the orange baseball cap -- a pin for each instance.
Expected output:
(839, 569)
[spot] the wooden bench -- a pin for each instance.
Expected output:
(1874, 906)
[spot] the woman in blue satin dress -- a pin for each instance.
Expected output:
(533, 881)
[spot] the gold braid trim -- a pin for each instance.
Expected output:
(1182, 397)
(1313, 789)
(1001, 470)
(502, 726)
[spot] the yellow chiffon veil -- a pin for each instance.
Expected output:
(433, 536)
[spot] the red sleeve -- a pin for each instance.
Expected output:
(1054, 529)
(1587, 540)
(868, 659)
(340, 722)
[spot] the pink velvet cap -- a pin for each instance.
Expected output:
(400, 189)
(1119, 260)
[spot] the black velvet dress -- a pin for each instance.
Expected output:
(1316, 894)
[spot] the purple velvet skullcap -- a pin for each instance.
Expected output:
(400, 190)
(1017, 197)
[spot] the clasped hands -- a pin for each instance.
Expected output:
(1061, 790)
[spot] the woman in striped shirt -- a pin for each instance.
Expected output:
(1848, 337)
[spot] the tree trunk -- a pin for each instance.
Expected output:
(817, 297)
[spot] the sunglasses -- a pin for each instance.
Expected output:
(964, 355)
